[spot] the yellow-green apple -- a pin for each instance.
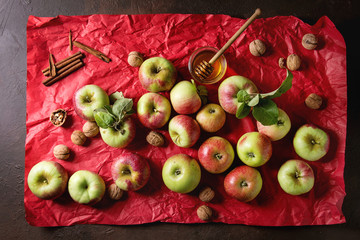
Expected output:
(243, 183)
(296, 177)
(121, 136)
(184, 97)
(278, 130)
(216, 154)
(157, 74)
(228, 90)
(211, 117)
(184, 131)
(47, 180)
(311, 143)
(181, 173)
(130, 171)
(153, 110)
(88, 98)
(86, 187)
(254, 149)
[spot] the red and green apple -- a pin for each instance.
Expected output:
(211, 117)
(184, 131)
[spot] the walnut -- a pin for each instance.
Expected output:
(257, 48)
(204, 213)
(282, 62)
(90, 129)
(58, 117)
(135, 59)
(293, 62)
(155, 138)
(313, 101)
(78, 137)
(114, 192)
(206, 194)
(309, 41)
(61, 152)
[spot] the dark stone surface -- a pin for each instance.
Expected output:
(13, 18)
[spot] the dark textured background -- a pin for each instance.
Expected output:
(13, 18)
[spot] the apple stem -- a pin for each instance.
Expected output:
(218, 156)
(280, 123)
(313, 142)
(252, 155)
(243, 184)
(178, 172)
(126, 171)
(297, 175)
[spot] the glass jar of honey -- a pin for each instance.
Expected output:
(206, 53)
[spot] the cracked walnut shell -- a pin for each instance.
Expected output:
(58, 117)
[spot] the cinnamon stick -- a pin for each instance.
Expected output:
(63, 72)
(92, 51)
(63, 62)
(70, 41)
(52, 67)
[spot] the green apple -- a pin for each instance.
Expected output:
(47, 180)
(276, 131)
(86, 187)
(181, 173)
(311, 143)
(254, 149)
(88, 98)
(157, 74)
(296, 177)
(120, 137)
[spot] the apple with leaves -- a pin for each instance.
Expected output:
(130, 172)
(263, 108)
(278, 130)
(211, 117)
(229, 89)
(88, 98)
(311, 143)
(254, 149)
(296, 177)
(216, 154)
(243, 183)
(157, 74)
(153, 110)
(47, 180)
(117, 129)
(184, 131)
(186, 97)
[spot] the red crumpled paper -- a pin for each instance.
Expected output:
(175, 37)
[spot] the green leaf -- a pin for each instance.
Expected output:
(285, 86)
(104, 119)
(122, 105)
(243, 96)
(266, 112)
(115, 96)
(242, 111)
(254, 101)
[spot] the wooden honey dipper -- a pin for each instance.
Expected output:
(204, 69)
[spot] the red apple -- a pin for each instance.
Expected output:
(185, 98)
(216, 154)
(211, 117)
(243, 183)
(153, 110)
(184, 131)
(130, 172)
